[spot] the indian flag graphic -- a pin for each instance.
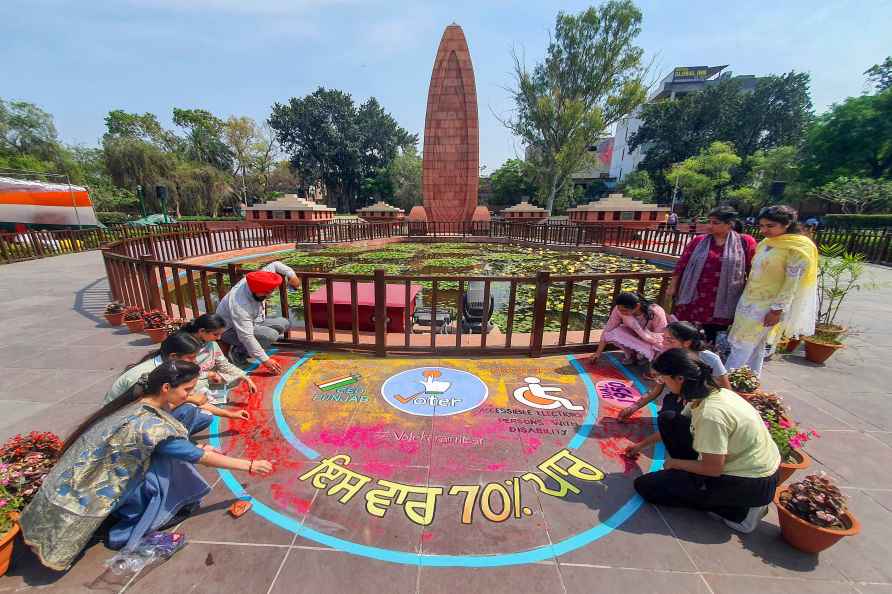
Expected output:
(338, 382)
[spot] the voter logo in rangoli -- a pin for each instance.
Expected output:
(434, 391)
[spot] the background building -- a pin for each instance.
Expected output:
(597, 171)
(290, 208)
(619, 211)
(682, 81)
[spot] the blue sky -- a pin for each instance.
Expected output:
(78, 60)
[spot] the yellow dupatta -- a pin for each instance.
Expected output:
(801, 318)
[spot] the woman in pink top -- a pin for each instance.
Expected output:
(636, 326)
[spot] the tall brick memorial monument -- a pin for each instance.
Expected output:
(451, 156)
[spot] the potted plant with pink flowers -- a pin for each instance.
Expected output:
(9, 525)
(789, 438)
(24, 462)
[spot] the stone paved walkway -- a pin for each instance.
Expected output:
(57, 357)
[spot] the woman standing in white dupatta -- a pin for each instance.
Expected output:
(781, 295)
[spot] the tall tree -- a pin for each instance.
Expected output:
(765, 167)
(27, 129)
(405, 177)
(28, 141)
(330, 139)
(880, 75)
(204, 141)
(196, 168)
(853, 139)
(591, 77)
(639, 185)
(511, 183)
(776, 113)
(703, 177)
(144, 127)
(241, 136)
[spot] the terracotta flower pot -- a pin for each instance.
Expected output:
(115, 319)
(788, 345)
(818, 352)
(808, 537)
(156, 334)
(6, 541)
(787, 469)
(135, 326)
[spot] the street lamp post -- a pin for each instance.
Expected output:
(674, 194)
(141, 194)
(161, 192)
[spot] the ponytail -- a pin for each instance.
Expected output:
(175, 373)
(632, 300)
(178, 343)
(686, 331)
(698, 381)
(208, 322)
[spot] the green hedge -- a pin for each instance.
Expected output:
(113, 217)
(859, 221)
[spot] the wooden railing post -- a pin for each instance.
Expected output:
(235, 274)
(380, 314)
(149, 281)
(181, 250)
(539, 307)
(112, 285)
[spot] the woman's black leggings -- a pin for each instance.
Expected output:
(729, 496)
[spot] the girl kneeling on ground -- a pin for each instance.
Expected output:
(195, 413)
(216, 369)
(722, 461)
(130, 461)
(636, 326)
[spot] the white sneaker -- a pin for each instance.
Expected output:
(750, 522)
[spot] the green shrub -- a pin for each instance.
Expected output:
(859, 221)
(113, 217)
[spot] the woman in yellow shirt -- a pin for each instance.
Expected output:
(726, 462)
(781, 294)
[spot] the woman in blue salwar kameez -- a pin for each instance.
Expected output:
(131, 461)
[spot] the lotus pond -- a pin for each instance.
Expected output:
(473, 259)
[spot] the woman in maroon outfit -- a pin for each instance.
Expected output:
(711, 273)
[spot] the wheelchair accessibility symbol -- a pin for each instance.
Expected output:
(538, 396)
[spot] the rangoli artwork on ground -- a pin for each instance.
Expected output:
(442, 462)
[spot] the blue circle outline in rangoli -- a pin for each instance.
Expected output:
(543, 553)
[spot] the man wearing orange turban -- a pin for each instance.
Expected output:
(249, 332)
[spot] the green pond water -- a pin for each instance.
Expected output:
(472, 259)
